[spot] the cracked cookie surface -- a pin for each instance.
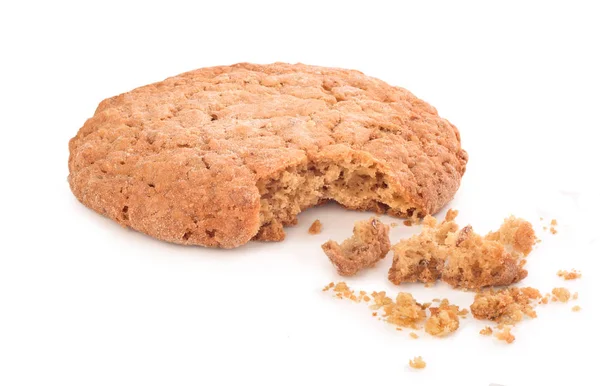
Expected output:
(221, 155)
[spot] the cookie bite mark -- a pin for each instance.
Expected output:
(369, 243)
(351, 178)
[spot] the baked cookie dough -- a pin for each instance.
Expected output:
(223, 155)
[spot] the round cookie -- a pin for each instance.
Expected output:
(222, 155)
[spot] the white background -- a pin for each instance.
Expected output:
(86, 302)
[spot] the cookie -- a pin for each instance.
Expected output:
(222, 155)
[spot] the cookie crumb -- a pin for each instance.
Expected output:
(328, 287)
(394, 225)
(417, 363)
(404, 312)
(368, 244)
(486, 331)
(414, 336)
(569, 275)
(575, 296)
(561, 294)
(443, 319)
(443, 251)
(505, 306)
(315, 228)
(421, 257)
(576, 309)
(505, 335)
(408, 223)
(553, 230)
(374, 314)
(553, 222)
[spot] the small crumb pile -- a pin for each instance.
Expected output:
(457, 256)
(506, 306)
(417, 363)
(569, 275)
(405, 312)
(443, 319)
(561, 294)
(505, 335)
(369, 243)
(315, 227)
(553, 225)
(461, 257)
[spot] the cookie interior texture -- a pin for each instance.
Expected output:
(222, 155)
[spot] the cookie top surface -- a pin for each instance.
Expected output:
(187, 152)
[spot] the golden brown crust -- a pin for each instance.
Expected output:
(183, 160)
(369, 243)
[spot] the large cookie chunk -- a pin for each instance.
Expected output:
(222, 155)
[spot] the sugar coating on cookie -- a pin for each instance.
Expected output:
(370, 242)
(222, 155)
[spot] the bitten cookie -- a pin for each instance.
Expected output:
(222, 155)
